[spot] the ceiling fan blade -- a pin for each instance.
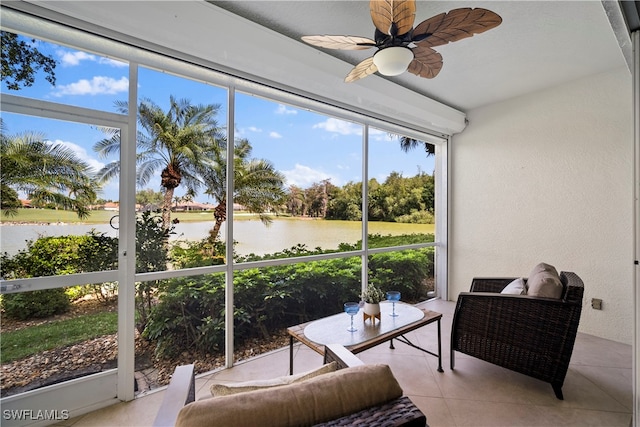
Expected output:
(426, 62)
(361, 70)
(340, 42)
(455, 25)
(386, 13)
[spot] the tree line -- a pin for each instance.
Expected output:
(397, 198)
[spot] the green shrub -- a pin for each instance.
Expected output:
(151, 242)
(74, 293)
(35, 304)
(49, 256)
(190, 314)
(152, 254)
(417, 217)
(380, 241)
(192, 254)
(57, 255)
(406, 271)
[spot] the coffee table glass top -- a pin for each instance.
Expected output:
(333, 329)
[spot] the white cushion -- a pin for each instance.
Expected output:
(517, 287)
(241, 387)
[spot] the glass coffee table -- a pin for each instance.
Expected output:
(333, 330)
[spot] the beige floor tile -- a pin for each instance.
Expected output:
(594, 351)
(475, 379)
(616, 382)
(418, 380)
(495, 414)
(203, 386)
(435, 409)
(267, 366)
(583, 417)
(137, 413)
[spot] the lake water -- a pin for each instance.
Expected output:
(252, 236)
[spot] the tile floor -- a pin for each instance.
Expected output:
(597, 389)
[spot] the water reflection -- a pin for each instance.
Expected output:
(251, 236)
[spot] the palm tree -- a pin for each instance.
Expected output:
(176, 142)
(257, 185)
(407, 144)
(47, 173)
(295, 200)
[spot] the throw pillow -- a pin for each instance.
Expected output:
(543, 267)
(544, 281)
(241, 387)
(517, 287)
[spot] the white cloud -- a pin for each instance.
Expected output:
(275, 135)
(339, 126)
(112, 62)
(282, 109)
(81, 153)
(75, 57)
(304, 176)
(378, 135)
(243, 132)
(98, 85)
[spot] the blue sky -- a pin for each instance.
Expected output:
(305, 146)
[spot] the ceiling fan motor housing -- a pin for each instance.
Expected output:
(393, 61)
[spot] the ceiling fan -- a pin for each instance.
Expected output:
(404, 48)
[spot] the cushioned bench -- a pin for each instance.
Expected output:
(351, 393)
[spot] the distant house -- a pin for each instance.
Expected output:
(111, 206)
(193, 206)
(26, 204)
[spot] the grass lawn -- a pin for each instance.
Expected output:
(35, 339)
(95, 217)
(53, 216)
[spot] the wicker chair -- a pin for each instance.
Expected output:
(530, 335)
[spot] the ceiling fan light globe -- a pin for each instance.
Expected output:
(393, 61)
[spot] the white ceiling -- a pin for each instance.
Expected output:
(540, 44)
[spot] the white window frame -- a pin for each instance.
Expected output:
(189, 67)
(95, 391)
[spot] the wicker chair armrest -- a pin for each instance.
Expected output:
(339, 354)
(398, 412)
(574, 287)
(517, 321)
(490, 284)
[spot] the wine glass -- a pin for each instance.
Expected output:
(393, 296)
(351, 308)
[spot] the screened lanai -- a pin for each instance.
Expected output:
(533, 147)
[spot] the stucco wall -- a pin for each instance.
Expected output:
(548, 177)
